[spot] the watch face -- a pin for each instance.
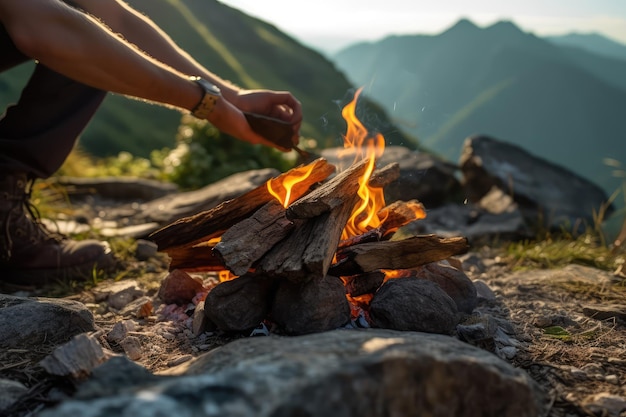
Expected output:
(209, 87)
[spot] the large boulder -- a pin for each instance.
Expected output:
(366, 373)
(544, 192)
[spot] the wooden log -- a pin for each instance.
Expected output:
(199, 258)
(400, 213)
(329, 196)
(308, 251)
(394, 216)
(384, 176)
(247, 241)
(208, 224)
(396, 254)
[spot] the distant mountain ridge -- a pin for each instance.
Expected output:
(592, 42)
(562, 103)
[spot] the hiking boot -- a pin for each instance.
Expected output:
(32, 255)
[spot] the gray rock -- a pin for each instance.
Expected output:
(310, 307)
(10, 392)
(366, 373)
(26, 322)
(544, 191)
(413, 304)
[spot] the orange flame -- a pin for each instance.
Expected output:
(358, 141)
(281, 190)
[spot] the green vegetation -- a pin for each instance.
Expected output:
(553, 252)
(204, 155)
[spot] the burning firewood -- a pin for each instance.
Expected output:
(329, 196)
(395, 216)
(397, 254)
(199, 258)
(308, 251)
(385, 175)
(247, 241)
(203, 226)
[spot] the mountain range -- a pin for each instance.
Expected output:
(563, 98)
(556, 100)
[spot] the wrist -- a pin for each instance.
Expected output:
(210, 96)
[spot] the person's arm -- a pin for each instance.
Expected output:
(143, 32)
(80, 47)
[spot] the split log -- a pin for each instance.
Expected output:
(199, 258)
(330, 195)
(247, 241)
(400, 213)
(308, 251)
(396, 254)
(384, 176)
(203, 226)
(395, 215)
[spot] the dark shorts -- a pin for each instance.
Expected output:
(38, 132)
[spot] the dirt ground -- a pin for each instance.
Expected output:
(579, 361)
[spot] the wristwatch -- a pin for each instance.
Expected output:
(209, 99)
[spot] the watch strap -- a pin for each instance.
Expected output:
(211, 93)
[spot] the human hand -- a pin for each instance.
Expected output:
(275, 115)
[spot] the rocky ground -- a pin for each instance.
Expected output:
(569, 322)
(567, 326)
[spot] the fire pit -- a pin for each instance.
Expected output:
(314, 249)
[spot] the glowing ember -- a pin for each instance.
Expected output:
(397, 273)
(226, 275)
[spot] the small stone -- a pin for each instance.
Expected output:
(145, 250)
(140, 308)
(10, 393)
(179, 360)
(506, 352)
(612, 379)
(605, 404)
(132, 347)
(179, 287)
(120, 331)
(578, 373)
(120, 299)
(483, 291)
(543, 322)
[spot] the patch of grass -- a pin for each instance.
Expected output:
(554, 252)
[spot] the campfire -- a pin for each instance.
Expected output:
(313, 249)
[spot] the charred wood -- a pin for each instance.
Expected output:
(247, 241)
(200, 258)
(329, 196)
(396, 254)
(208, 224)
(308, 251)
(384, 176)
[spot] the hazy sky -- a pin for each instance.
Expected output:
(333, 24)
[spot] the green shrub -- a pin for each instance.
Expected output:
(205, 155)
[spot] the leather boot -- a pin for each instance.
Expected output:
(32, 255)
